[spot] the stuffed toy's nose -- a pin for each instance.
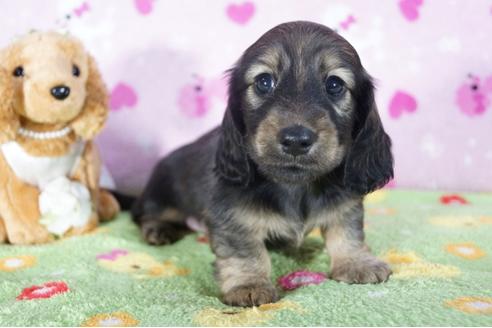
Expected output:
(60, 92)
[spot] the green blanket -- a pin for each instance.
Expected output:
(438, 245)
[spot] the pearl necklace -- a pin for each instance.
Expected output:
(44, 135)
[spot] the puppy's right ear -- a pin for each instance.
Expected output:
(231, 161)
(9, 120)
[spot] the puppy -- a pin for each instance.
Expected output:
(300, 145)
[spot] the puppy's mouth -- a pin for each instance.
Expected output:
(296, 169)
(295, 163)
(291, 173)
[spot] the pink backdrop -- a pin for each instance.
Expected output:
(163, 62)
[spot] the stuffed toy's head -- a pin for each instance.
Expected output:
(55, 83)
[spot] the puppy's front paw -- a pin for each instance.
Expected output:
(160, 233)
(251, 295)
(366, 269)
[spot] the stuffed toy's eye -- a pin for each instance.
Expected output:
(75, 71)
(264, 83)
(19, 71)
(334, 85)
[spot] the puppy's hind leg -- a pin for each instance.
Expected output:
(160, 229)
(156, 211)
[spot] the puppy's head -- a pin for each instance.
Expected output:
(55, 80)
(300, 106)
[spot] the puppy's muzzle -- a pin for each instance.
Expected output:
(296, 140)
(60, 92)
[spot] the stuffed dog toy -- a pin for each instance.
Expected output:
(53, 102)
(300, 145)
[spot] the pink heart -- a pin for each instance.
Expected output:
(121, 96)
(144, 7)
(241, 14)
(410, 9)
(402, 102)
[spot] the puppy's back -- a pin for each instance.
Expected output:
(181, 181)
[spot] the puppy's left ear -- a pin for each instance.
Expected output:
(369, 163)
(93, 116)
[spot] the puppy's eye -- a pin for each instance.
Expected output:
(75, 71)
(334, 85)
(264, 83)
(19, 71)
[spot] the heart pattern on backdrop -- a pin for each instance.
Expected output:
(241, 13)
(402, 102)
(410, 9)
(144, 7)
(123, 95)
(175, 50)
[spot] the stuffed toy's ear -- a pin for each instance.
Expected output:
(93, 116)
(9, 120)
(369, 164)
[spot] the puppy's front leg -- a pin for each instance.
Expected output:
(242, 269)
(351, 260)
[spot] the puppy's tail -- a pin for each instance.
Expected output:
(126, 201)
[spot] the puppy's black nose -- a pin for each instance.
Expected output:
(60, 92)
(296, 140)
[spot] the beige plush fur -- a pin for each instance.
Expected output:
(25, 101)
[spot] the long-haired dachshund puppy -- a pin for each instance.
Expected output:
(300, 145)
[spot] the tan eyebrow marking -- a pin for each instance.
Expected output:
(256, 69)
(272, 60)
(329, 63)
(345, 74)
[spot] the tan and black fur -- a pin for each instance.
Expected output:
(242, 179)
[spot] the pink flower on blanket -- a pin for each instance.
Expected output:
(112, 255)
